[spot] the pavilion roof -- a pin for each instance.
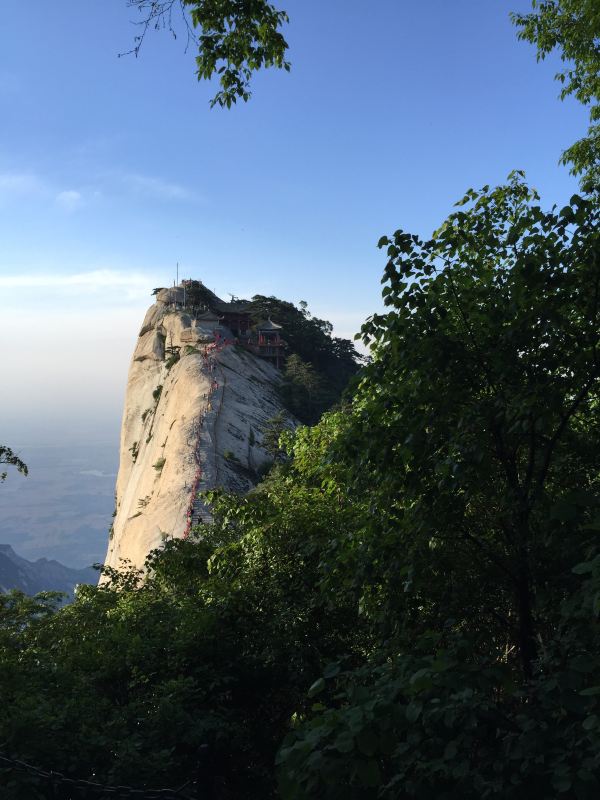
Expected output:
(237, 307)
(207, 315)
(268, 325)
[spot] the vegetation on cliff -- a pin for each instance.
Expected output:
(318, 366)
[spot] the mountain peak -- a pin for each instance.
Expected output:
(201, 389)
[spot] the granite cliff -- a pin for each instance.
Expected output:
(202, 385)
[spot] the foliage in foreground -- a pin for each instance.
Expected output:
(408, 606)
(234, 39)
(216, 647)
(10, 458)
(573, 28)
(473, 444)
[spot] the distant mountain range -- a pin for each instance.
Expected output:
(41, 575)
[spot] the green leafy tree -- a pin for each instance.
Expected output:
(215, 647)
(303, 391)
(272, 432)
(476, 419)
(334, 359)
(430, 721)
(573, 28)
(8, 457)
(235, 38)
(470, 452)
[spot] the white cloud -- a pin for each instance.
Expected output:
(117, 284)
(156, 188)
(27, 184)
(69, 200)
(20, 183)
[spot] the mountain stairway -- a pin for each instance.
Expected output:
(206, 450)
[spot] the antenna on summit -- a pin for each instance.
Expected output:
(177, 273)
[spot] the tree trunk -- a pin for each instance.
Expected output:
(526, 628)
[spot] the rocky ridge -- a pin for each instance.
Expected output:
(195, 409)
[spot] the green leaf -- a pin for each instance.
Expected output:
(562, 784)
(331, 670)
(344, 743)
(413, 711)
(583, 663)
(317, 687)
(450, 750)
(369, 773)
(367, 742)
(583, 568)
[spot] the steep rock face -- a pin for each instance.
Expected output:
(188, 425)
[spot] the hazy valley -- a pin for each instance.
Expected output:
(62, 509)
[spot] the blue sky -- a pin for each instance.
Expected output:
(113, 169)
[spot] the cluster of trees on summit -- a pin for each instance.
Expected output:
(318, 366)
(408, 605)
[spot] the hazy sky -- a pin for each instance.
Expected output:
(113, 169)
